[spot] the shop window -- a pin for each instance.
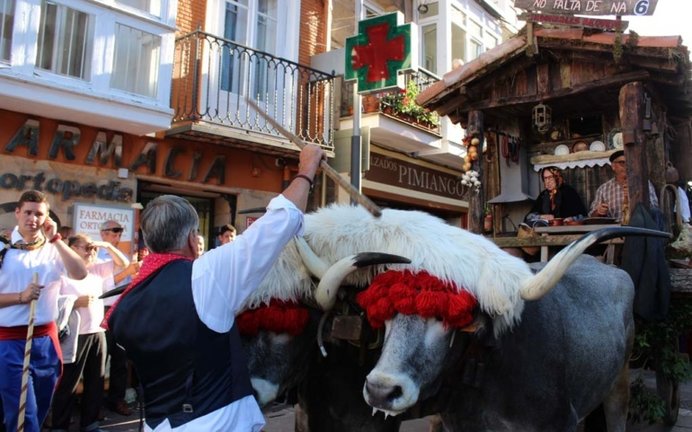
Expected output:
(64, 41)
(136, 61)
(6, 24)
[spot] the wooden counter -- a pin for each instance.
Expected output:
(557, 236)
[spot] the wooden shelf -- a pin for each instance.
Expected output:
(548, 146)
(572, 160)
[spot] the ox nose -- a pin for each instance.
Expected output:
(382, 395)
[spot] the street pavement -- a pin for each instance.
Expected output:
(280, 418)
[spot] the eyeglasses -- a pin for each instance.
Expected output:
(115, 230)
(550, 177)
(619, 162)
(88, 247)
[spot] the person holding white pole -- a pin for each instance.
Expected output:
(34, 248)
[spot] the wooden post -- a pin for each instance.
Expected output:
(632, 103)
(477, 201)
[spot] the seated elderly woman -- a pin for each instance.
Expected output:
(557, 200)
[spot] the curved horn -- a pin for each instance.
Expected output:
(316, 265)
(326, 291)
(542, 282)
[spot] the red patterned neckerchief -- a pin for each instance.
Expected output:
(277, 317)
(419, 294)
(151, 264)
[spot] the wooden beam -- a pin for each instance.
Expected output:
(631, 118)
(561, 44)
(593, 85)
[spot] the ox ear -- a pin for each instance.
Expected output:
(316, 265)
(326, 291)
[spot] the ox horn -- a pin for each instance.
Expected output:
(542, 282)
(326, 291)
(316, 265)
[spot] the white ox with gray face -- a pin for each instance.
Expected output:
(415, 349)
(547, 348)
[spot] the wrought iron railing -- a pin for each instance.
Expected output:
(398, 103)
(213, 78)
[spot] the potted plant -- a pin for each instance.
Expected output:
(404, 106)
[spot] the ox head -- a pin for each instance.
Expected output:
(417, 339)
(279, 324)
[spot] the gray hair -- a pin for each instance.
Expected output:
(166, 223)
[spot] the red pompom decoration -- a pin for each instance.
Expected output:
(420, 294)
(278, 317)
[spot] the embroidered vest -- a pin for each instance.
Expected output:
(186, 369)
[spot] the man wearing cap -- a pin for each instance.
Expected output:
(111, 231)
(612, 196)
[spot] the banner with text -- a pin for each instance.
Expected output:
(89, 217)
(589, 7)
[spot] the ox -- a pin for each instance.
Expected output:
(279, 339)
(576, 337)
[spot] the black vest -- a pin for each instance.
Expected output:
(186, 369)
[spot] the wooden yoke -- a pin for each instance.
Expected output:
(631, 101)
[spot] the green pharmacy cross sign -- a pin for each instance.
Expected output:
(382, 48)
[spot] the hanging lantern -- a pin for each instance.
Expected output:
(542, 117)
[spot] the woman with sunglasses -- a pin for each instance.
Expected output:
(90, 352)
(557, 200)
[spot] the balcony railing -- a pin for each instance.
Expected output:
(398, 104)
(213, 78)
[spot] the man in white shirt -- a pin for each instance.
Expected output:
(36, 250)
(177, 319)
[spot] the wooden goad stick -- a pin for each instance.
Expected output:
(27, 358)
(355, 194)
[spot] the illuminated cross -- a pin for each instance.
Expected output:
(377, 54)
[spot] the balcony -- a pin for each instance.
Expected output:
(396, 122)
(212, 80)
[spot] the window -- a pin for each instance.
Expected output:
(265, 40)
(64, 41)
(6, 22)
(235, 29)
(490, 41)
(238, 62)
(151, 6)
(429, 48)
(136, 61)
(476, 42)
(458, 43)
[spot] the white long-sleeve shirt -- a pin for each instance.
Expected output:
(221, 281)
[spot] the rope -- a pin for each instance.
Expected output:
(27, 358)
